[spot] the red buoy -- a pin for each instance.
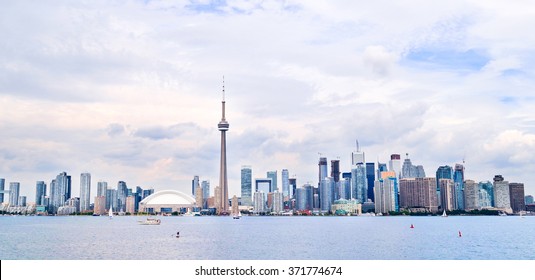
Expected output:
(412, 226)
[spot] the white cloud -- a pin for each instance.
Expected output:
(130, 90)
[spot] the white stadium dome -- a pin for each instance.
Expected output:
(168, 199)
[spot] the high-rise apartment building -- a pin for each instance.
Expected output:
(502, 199)
(471, 195)
(246, 185)
(205, 185)
(486, 195)
(418, 194)
(102, 188)
(194, 185)
(386, 192)
(370, 178)
(263, 184)
(100, 205)
(326, 193)
(40, 192)
(259, 202)
(293, 186)
(60, 191)
(516, 193)
(447, 194)
(458, 186)
(322, 169)
(14, 191)
(2, 190)
(285, 176)
(122, 193)
(278, 202)
(85, 192)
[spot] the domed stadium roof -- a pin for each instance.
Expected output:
(168, 197)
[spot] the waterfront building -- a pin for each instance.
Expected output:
(285, 176)
(205, 185)
(516, 193)
(471, 195)
(122, 193)
(102, 188)
(359, 183)
(443, 172)
(418, 194)
(346, 207)
(100, 205)
(458, 186)
(263, 184)
(2, 190)
(528, 199)
(111, 199)
(60, 191)
(14, 190)
(85, 192)
(447, 194)
(370, 178)
(167, 201)
(395, 164)
(322, 169)
(278, 202)
(502, 199)
(486, 195)
(273, 176)
(131, 204)
(247, 185)
(386, 192)
(223, 126)
(40, 192)
(259, 202)
(326, 194)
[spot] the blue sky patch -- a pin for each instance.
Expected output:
(470, 60)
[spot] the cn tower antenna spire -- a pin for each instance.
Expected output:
(223, 88)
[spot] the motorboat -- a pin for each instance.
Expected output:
(150, 221)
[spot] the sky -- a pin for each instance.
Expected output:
(131, 90)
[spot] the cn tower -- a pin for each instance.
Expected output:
(223, 126)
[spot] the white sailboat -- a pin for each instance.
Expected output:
(111, 212)
(444, 213)
(237, 216)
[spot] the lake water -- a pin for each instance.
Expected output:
(268, 238)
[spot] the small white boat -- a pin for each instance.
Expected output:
(150, 222)
(502, 214)
(237, 216)
(111, 212)
(444, 214)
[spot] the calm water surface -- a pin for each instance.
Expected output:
(272, 238)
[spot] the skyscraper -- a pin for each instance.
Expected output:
(223, 126)
(516, 192)
(443, 172)
(458, 186)
(357, 156)
(85, 192)
(293, 186)
(335, 170)
(2, 190)
(14, 190)
(502, 198)
(60, 191)
(102, 188)
(326, 194)
(486, 195)
(205, 185)
(359, 183)
(381, 167)
(273, 176)
(122, 193)
(370, 178)
(385, 192)
(322, 169)
(246, 185)
(447, 194)
(395, 164)
(418, 194)
(264, 185)
(285, 176)
(40, 192)
(471, 195)
(194, 185)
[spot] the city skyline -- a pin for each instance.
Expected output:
(130, 91)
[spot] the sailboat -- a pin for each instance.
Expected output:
(237, 216)
(111, 212)
(444, 214)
